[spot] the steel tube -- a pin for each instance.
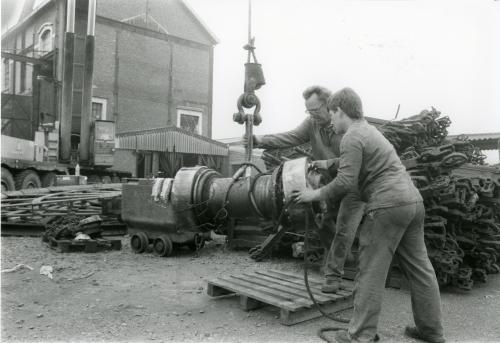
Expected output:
(70, 16)
(91, 18)
(67, 96)
(85, 124)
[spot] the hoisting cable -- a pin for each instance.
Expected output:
(321, 332)
(254, 79)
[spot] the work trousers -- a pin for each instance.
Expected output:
(349, 217)
(385, 232)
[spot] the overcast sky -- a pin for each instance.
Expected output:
(415, 53)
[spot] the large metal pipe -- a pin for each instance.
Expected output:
(84, 149)
(67, 83)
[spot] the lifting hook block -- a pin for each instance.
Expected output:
(248, 100)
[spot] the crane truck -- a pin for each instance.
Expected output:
(41, 137)
(36, 163)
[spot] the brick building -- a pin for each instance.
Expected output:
(153, 62)
(153, 67)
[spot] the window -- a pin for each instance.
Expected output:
(189, 120)
(22, 85)
(45, 39)
(7, 65)
(99, 106)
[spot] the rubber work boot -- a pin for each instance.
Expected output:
(331, 285)
(413, 332)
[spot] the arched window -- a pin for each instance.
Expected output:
(45, 39)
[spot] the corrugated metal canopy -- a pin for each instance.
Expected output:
(484, 141)
(170, 138)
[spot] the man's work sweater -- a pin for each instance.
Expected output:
(368, 162)
(325, 143)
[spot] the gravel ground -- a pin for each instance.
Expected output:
(121, 296)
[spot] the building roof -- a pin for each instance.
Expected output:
(484, 141)
(170, 138)
(175, 17)
(29, 10)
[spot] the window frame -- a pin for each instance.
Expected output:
(41, 31)
(8, 66)
(104, 103)
(191, 112)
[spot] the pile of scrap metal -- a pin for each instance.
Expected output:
(71, 233)
(462, 229)
(73, 227)
(30, 211)
(461, 195)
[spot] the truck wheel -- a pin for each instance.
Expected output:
(106, 179)
(116, 179)
(27, 179)
(48, 179)
(8, 184)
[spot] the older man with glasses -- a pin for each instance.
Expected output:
(325, 143)
(394, 224)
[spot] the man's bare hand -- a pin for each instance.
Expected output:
(306, 196)
(255, 140)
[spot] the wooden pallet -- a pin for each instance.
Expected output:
(283, 290)
(88, 246)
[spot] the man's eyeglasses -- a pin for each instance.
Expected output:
(314, 110)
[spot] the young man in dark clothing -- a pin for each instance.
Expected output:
(394, 224)
(325, 143)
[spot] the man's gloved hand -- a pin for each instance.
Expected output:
(256, 141)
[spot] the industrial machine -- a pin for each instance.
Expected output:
(182, 211)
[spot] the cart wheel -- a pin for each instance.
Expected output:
(162, 246)
(139, 242)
